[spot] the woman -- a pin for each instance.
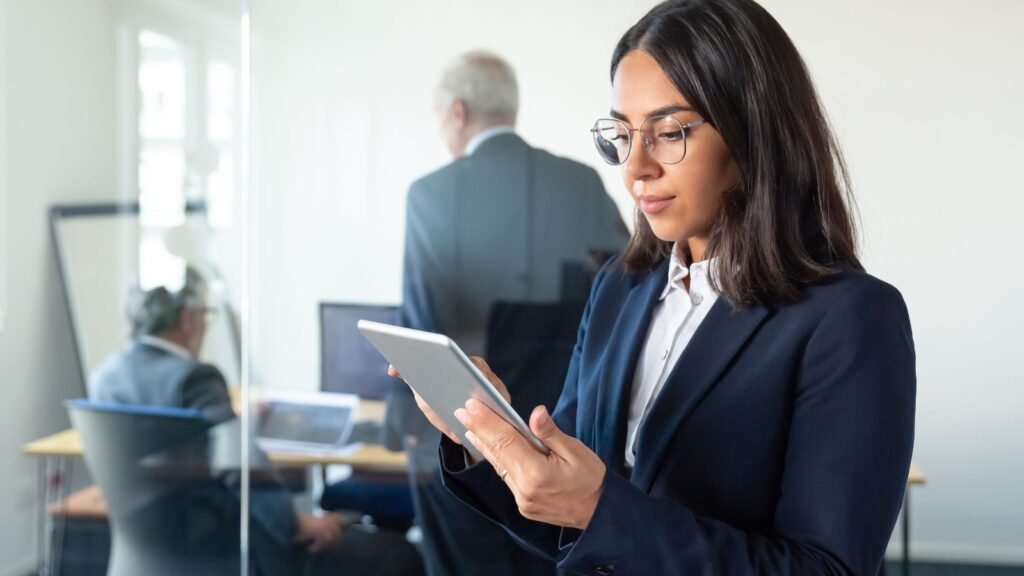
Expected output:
(741, 396)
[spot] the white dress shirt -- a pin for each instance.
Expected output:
(485, 135)
(676, 318)
(166, 346)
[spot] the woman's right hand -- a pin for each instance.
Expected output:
(436, 420)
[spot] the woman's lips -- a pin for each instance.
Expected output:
(655, 204)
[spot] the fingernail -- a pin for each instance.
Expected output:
(472, 438)
(473, 406)
(461, 416)
(543, 418)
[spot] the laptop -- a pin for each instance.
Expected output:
(306, 421)
(349, 364)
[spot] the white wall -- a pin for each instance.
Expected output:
(60, 130)
(3, 163)
(925, 97)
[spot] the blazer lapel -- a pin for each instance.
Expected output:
(718, 339)
(616, 380)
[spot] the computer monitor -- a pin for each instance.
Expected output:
(348, 362)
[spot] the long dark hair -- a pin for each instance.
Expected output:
(787, 224)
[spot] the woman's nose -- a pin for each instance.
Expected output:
(640, 165)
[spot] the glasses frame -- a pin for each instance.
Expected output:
(647, 144)
(208, 313)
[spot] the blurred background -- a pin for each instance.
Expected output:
(271, 145)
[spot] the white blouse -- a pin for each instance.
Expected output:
(676, 318)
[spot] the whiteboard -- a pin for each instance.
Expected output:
(98, 247)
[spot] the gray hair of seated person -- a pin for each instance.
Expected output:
(486, 83)
(158, 309)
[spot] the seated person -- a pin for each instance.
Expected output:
(159, 367)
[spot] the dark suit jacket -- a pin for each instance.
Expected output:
(498, 225)
(780, 443)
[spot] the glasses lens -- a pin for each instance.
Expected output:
(612, 140)
(665, 139)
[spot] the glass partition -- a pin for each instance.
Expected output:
(151, 271)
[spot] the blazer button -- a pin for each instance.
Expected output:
(605, 570)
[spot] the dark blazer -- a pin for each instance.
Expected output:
(780, 443)
(502, 224)
(499, 225)
(148, 376)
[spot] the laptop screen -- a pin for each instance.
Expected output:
(304, 423)
(348, 362)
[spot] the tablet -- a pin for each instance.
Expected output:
(437, 369)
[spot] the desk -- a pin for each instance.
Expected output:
(66, 444)
(56, 451)
(63, 445)
(915, 478)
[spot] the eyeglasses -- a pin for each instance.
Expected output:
(663, 137)
(208, 314)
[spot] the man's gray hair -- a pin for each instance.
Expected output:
(485, 83)
(157, 310)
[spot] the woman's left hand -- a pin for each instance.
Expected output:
(561, 488)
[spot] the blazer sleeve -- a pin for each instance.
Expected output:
(846, 466)
(205, 391)
(427, 255)
(479, 486)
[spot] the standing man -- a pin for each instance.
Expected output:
(503, 222)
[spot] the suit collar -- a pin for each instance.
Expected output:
(165, 345)
(496, 144)
(615, 382)
(719, 338)
(484, 135)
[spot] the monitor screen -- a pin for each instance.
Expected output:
(348, 362)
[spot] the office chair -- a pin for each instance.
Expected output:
(349, 364)
(530, 345)
(166, 518)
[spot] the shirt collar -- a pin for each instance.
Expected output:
(485, 135)
(166, 346)
(677, 271)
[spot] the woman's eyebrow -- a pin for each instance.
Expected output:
(663, 111)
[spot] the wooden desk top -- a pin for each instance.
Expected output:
(86, 503)
(64, 443)
(916, 477)
(369, 457)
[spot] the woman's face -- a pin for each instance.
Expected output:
(680, 201)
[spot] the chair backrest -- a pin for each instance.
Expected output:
(167, 515)
(530, 345)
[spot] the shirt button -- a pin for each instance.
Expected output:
(697, 299)
(606, 570)
(664, 354)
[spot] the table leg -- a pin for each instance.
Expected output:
(62, 490)
(41, 515)
(47, 519)
(906, 532)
